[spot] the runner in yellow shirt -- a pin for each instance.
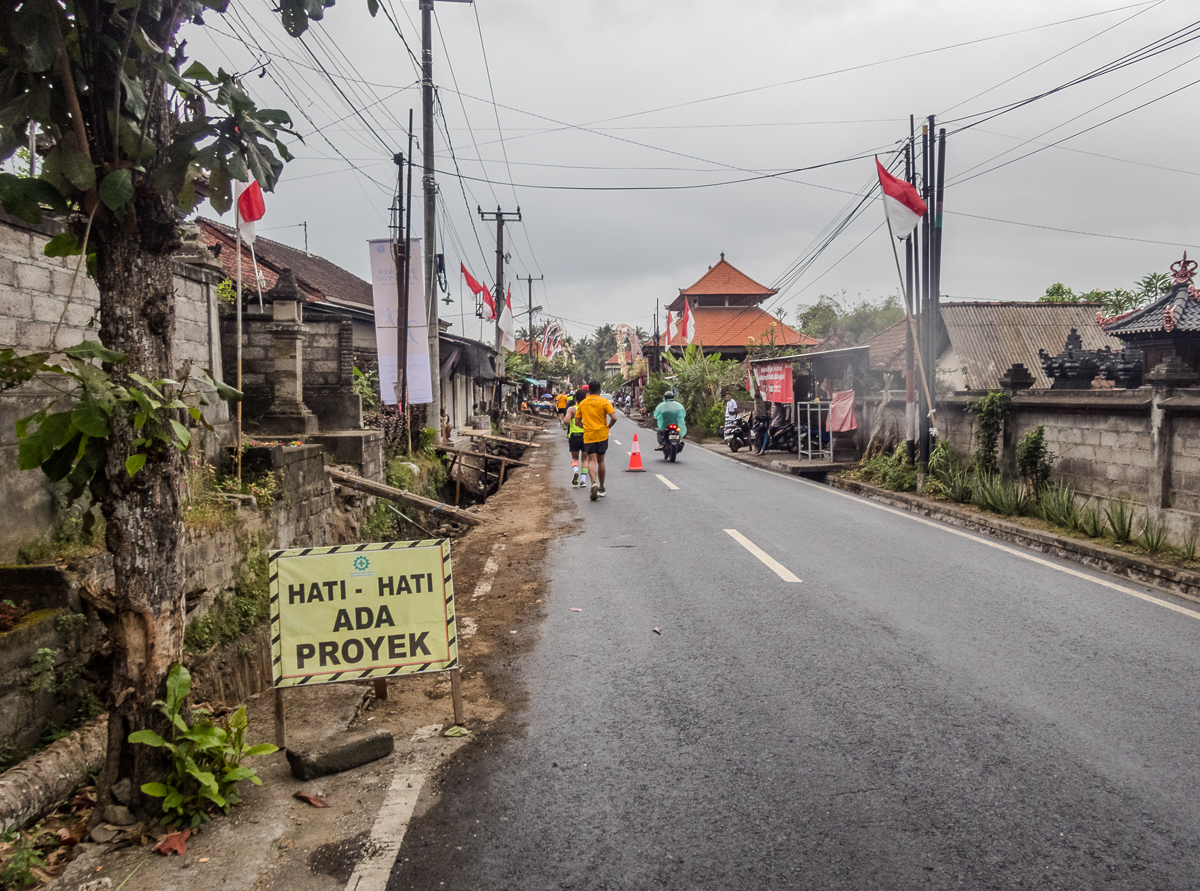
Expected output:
(597, 417)
(560, 403)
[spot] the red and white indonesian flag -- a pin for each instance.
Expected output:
(508, 336)
(670, 328)
(480, 291)
(901, 202)
(248, 199)
(687, 327)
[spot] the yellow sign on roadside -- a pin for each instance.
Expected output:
(361, 611)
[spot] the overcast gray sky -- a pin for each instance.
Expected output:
(600, 105)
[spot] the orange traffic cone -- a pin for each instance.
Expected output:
(635, 458)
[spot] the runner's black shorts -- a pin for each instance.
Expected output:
(595, 448)
(575, 442)
(562, 412)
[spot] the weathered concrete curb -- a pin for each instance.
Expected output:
(339, 752)
(1181, 582)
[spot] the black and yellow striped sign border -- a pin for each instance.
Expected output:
(366, 673)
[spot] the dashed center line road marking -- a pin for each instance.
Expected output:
(774, 565)
(616, 442)
(667, 482)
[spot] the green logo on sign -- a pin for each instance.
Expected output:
(361, 563)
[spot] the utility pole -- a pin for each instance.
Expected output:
(400, 256)
(430, 189)
(532, 309)
(501, 217)
(910, 380)
(655, 359)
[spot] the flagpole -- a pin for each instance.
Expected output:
(257, 278)
(908, 311)
(237, 225)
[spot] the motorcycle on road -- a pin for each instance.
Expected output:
(672, 442)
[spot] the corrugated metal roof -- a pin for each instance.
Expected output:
(989, 337)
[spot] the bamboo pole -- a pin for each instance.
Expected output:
(379, 490)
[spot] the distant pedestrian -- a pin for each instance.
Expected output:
(560, 404)
(598, 416)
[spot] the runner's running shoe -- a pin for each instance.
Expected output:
(603, 493)
(595, 491)
(575, 479)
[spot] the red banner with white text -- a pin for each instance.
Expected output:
(774, 381)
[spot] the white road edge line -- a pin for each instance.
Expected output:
(774, 565)
(489, 571)
(373, 872)
(1157, 601)
(667, 482)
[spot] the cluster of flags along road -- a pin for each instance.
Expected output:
(901, 201)
(508, 335)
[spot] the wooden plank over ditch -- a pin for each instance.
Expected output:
(379, 490)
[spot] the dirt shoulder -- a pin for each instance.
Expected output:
(276, 841)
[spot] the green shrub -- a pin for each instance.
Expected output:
(1189, 550)
(652, 394)
(17, 872)
(1035, 462)
(1120, 520)
(1058, 507)
(1091, 520)
(990, 412)
(1000, 497)
(1153, 535)
(959, 484)
(891, 471)
(206, 758)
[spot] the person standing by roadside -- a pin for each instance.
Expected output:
(731, 410)
(575, 439)
(598, 417)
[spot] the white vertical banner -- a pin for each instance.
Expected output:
(387, 301)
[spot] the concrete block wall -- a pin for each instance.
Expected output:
(1103, 443)
(1098, 454)
(328, 367)
(303, 513)
(33, 298)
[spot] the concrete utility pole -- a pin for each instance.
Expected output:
(532, 309)
(501, 217)
(430, 189)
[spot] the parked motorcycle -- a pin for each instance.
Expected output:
(739, 434)
(672, 442)
(782, 439)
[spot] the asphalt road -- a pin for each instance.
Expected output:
(925, 709)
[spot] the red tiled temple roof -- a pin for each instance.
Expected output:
(723, 281)
(735, 326)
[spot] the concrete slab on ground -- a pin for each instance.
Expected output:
(783, 462)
